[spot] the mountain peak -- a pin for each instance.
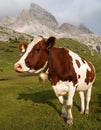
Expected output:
(46, 18)
(35, 6)
(84, 29)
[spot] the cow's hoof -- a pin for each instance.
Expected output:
(86, 112)
(82, 112)
(64, 115)
(69, 122)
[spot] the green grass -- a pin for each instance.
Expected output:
(27, 104)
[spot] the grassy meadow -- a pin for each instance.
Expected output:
(27, 104)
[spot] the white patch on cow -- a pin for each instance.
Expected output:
(29, 48)
(62, 87)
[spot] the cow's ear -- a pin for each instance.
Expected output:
(22, 47)
(50, 42)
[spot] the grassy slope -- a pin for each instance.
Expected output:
(26, 104)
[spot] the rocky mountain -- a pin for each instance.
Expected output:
(93, 41)
(70, 29)
(7, 21)
(37, 21)
(34, 21)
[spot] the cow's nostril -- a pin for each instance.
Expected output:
(20, 66)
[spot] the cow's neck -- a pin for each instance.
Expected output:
(44, 74)
(48, 61)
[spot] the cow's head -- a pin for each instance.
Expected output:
(35, 58)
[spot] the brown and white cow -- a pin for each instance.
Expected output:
(66, 71)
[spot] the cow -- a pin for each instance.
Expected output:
(66, 70)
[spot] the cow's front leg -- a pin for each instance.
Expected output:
(71, 93)
(62, 101)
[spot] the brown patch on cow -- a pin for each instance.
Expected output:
(69, 106)
(83, 60)
(90, 74)
(76, 87)
(78, 63)
(61, 66)
(78, 76)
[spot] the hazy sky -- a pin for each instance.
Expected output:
(71, 11)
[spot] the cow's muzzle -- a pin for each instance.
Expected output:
(18, 68)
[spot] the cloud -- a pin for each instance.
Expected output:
(8, 8)
(78, 11)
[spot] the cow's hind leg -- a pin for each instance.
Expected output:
(82, 102)
(62, 101)
(88, 97)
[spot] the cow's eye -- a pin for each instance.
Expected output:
(37, 50)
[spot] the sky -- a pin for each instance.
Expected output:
(75, 12)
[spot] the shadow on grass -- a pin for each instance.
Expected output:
(16, 76)
(43, 97)
(77, 106)
(4, 79)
